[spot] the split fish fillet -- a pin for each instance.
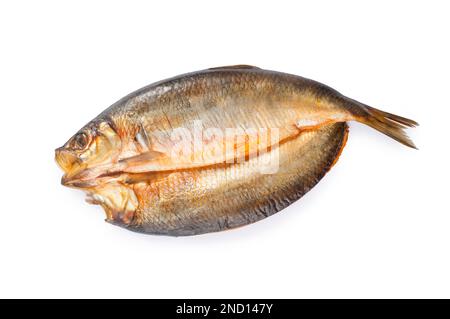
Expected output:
(214, 149)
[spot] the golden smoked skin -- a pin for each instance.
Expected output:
(125, 159)
(189, 202)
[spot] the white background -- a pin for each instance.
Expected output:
(377, 225)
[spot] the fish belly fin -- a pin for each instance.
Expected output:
(236, 67)
(389, 124)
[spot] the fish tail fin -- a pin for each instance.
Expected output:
(389, 124)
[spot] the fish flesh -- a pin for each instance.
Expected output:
(214, 149)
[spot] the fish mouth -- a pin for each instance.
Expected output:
(88, 178)
(66, 160)
(72, 168)
(78, 174)
(93, 176)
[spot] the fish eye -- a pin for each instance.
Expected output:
(80, 141)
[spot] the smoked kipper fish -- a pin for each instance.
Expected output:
(214, 149)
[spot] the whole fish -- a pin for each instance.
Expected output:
(214, 149)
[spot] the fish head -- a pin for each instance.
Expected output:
(88, 153)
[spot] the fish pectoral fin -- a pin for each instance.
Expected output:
(154, 161)
(235, 67)
(146, 162)
(142, 158)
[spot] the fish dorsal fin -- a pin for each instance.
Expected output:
(236, 67)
